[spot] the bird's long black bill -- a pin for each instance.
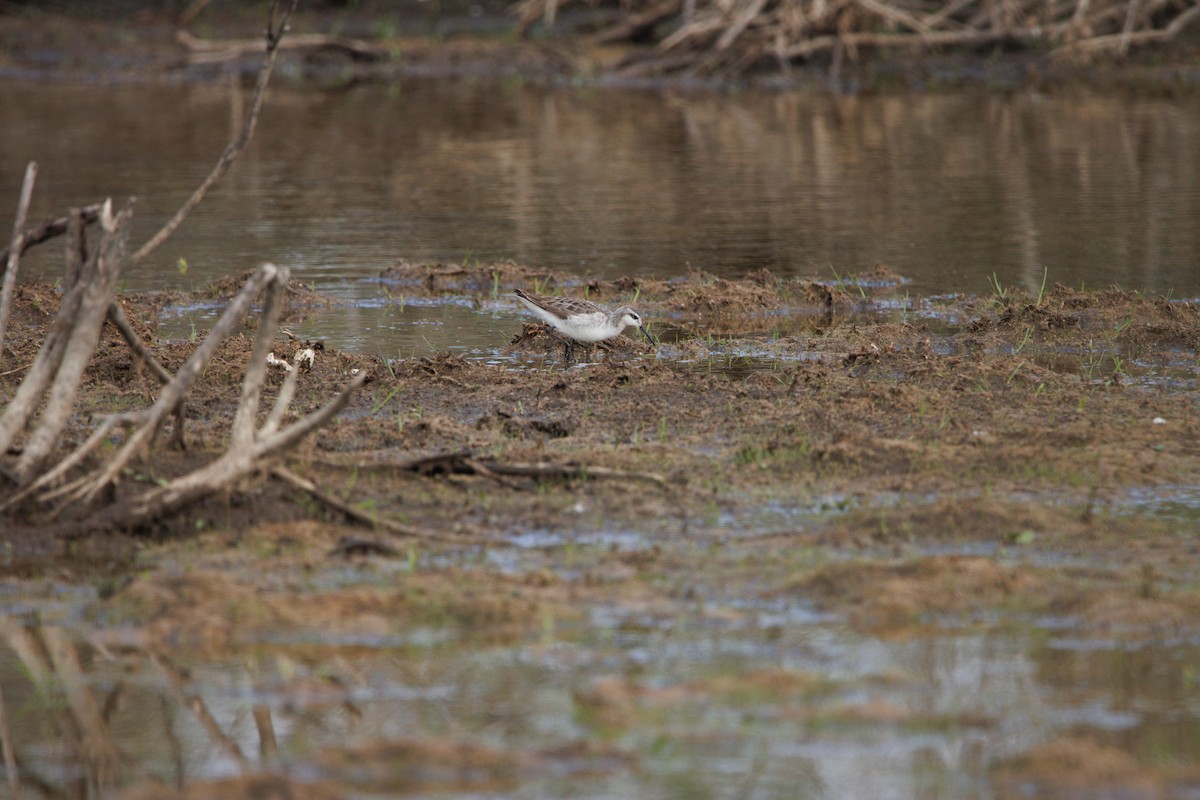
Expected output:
(642, 328)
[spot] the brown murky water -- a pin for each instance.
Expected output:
(945, 189)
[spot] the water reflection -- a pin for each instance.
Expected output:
(927, 717)
(946, 189)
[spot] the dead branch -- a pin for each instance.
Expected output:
(233, 466)
(174, 392)
(98, 283)
(14, 249)
(49, 230)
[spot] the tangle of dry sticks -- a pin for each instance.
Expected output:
(730, 36)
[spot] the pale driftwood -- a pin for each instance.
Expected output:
(203, 51)
(1141, 37)
(248, 453)
(230, 468)
(256, 371)
(99, 282)
(74, 459)
(24, 402)
(174, 392)
(275, 31)
(15, 249)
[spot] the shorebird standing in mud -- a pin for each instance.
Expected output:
(581, 320)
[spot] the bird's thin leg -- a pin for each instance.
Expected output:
(568, 344)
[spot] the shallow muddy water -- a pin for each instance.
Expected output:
(857, 717)
(946, 190)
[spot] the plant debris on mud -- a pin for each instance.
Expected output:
(965, 462)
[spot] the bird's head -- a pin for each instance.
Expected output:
(629, 317)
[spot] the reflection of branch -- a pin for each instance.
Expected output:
(96, 747)
(53, 665)
(172, 740)
(274, 35)
(268, 747)
(195, 703)
(10, 760)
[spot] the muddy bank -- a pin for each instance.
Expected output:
(945, 467)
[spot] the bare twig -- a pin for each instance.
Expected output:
(50, 229)
(461, 463)
(231, 467)
(183, 381)
(275, 32)
(256, 370)
(14, 249)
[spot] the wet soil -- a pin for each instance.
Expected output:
(909, 465)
